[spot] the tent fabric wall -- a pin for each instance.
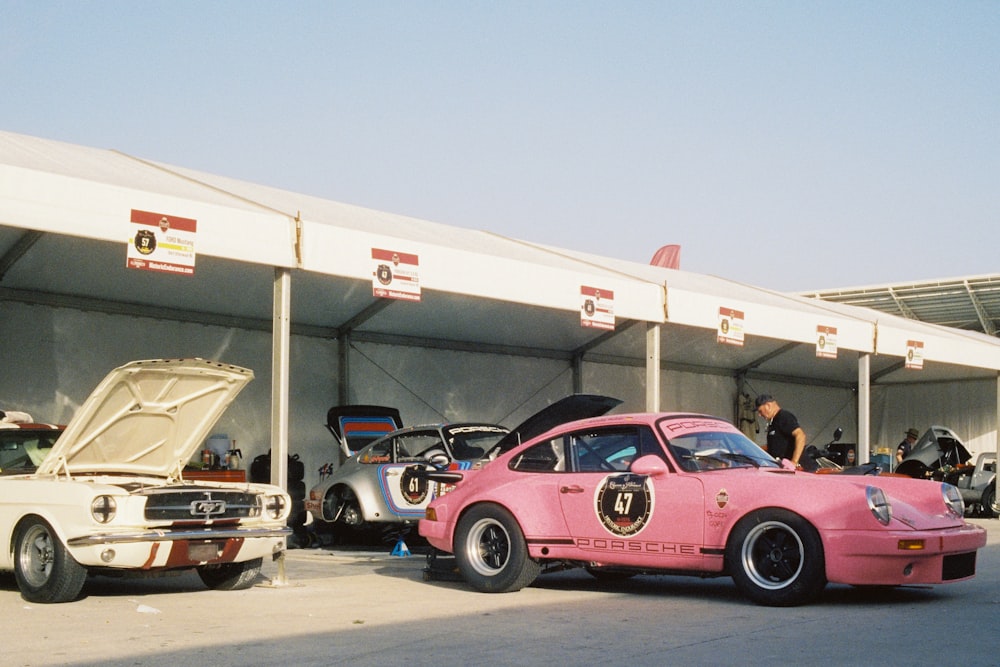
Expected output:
(968, 408)
(820, 410)
(430, 386)
(52, 358)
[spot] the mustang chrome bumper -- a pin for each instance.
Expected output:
(169, 535)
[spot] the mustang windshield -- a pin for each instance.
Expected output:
(715, 450)
(23, 450)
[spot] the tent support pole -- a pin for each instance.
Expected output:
(577, 373)
(864, 408)
(652, 367)
(998, 417)
(280, 344)
(344, 370)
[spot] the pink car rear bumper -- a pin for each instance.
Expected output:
(437, 534)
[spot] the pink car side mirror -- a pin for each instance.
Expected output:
(650, 465)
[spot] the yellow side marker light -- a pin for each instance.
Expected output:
(910, 545)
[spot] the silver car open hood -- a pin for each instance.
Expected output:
(146, 418)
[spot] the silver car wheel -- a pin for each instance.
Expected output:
(36, 557)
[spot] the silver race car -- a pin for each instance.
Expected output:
(376, 487)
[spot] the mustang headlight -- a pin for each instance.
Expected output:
(275, 507)
(953, 500)
(879, 504)
(103, 509)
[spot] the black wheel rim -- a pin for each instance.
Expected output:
(488, 547)
(772, 555)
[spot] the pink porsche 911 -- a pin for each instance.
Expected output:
(689, 494)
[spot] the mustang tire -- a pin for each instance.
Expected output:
(491, 552)
(230, 576)
(776, 558)
(45, 571)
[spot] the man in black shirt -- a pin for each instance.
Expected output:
(785, 438)
(904, 448)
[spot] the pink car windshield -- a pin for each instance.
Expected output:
(702, 444)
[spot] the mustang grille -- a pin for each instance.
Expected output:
(200, 504)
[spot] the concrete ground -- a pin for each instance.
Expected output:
(340, 607)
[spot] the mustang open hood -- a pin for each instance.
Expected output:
(146, 418)
(568, 409)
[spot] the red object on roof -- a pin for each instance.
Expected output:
(669, 257)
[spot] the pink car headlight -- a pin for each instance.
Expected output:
(953, 500)
(879, 505)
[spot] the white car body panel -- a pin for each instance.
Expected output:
(126, 448)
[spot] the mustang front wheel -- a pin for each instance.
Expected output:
(491, 552)
(45, 571)
(776, 558)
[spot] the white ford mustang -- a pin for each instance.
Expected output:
(110, 494)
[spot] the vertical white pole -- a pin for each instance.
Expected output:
(864, 408)
(280, 343)
(652, 367)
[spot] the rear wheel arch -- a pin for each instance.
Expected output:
(328, 501)
(337, 495)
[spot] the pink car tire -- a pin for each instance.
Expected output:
(775, 557)
(491, 552)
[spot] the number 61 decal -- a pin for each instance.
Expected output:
(413, 488)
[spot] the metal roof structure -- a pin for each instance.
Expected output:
(971, 303)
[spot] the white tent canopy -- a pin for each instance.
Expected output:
(297, 265)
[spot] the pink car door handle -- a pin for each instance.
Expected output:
(571, 489)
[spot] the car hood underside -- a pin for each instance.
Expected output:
(146, 418)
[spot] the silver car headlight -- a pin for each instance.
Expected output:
(879, 505)
(104, 509)
(953, 500)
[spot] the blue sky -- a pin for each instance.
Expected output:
(787, 144)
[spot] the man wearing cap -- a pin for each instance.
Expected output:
(904, 448)
(785, 438)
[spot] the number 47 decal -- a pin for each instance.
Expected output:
(623, 502)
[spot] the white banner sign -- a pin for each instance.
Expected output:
(163, 243)
(598, 308)
(395, 275)
(730, 326)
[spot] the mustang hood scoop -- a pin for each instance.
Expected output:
(146, 418)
